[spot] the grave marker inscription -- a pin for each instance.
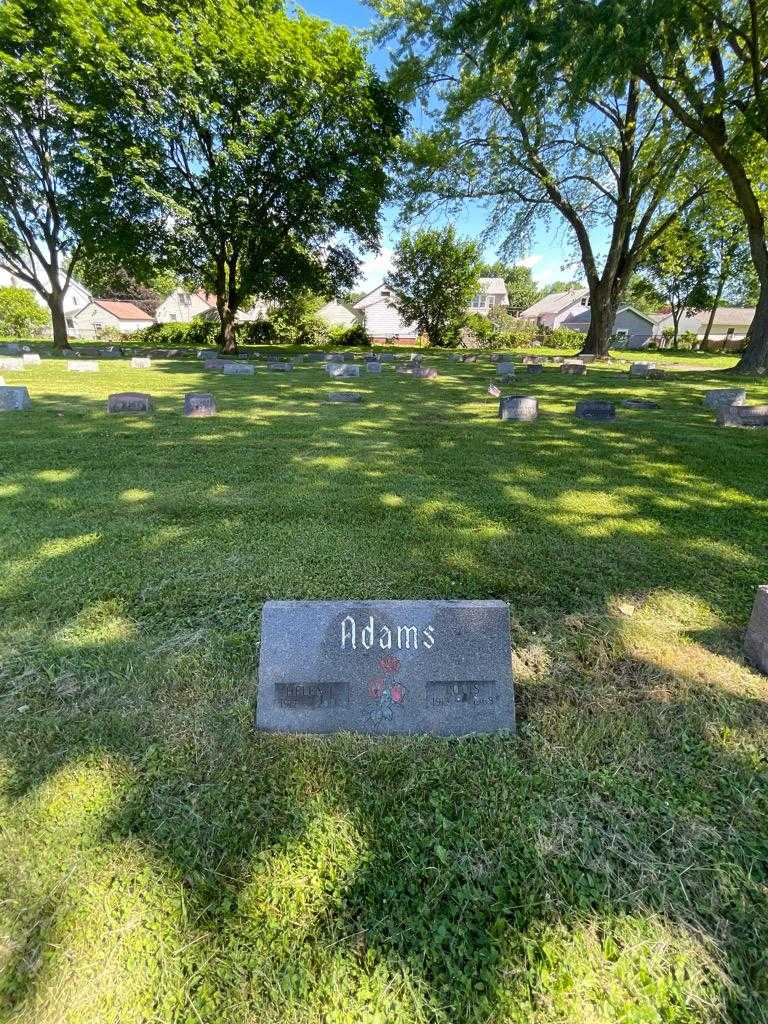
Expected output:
(385, 667)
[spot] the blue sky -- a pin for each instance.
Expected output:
(550, 257)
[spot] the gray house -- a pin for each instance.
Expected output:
(631, 328)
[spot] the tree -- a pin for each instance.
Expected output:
(521, 288)
(679, 266)
(433, 281)
(20, 315)
(270, 136)
(642, 294)
(62, 139)
(514, 132)
(707, 63)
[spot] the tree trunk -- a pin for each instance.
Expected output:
(754, 359)
(59, 321)
(227, 335)
(602, 318)
(711, 318)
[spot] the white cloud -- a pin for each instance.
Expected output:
(373, 269)
(529, 261)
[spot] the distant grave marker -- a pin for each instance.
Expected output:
(345, 396)
(83, 366)
(199, 404)
(129, 402)
(385, 667)
(574, 367)
(14, 399)
(31, 359)
(338, 370)
(742, 415)
(13, 364)
(238, 369)
(595, 409)
(141, 363)
(639, 403)
(724, 396)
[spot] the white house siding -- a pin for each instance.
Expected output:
(89, 321)
(336, 314)
(180, 307)
(75, 297)
(381, 320)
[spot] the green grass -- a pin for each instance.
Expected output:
(159, 861)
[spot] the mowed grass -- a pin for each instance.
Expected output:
(162, 862)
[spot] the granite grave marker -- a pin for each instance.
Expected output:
(14, 399)
(385, 667)
(129, 402)
(199, 403)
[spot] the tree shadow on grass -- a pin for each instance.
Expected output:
(620, 838)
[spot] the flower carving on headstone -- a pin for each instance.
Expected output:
(388, 694)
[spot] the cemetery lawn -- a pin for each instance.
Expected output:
(160, 862)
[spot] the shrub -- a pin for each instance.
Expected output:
(198, 334)
(354, 334)
(20, 315)
(561, 337)
(257, 332)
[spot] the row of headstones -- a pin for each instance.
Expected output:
(525, 408)
(730, 408)
(15, 364)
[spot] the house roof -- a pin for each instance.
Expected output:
(206, 297)
(739, 315)
(122, 310)
(492, 285)
(372, 296)
(585, 315)
(556, 302)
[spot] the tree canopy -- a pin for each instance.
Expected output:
(433, 281)
(266, 136)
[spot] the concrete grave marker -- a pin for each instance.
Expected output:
(756, 642)
(342, 370)
(373, 366)
(641, 369)
(277, 366)
(83, 366)
(518, 407)
(574, 367)
(31, 359)
(534, 368)
(199, 403)
(13, 364)
(344, 396)
(385, 667)
(639, 403)
(130, 402)
(724, 396)
(386, 357)
(238, 369)
(742, 415)
(14, 399)
(141, 363)
(504, 368)
(595, 409)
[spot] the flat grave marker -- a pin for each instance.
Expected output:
(345, 396)
(14, 399)
(129, 402)
(756, 642)
(141, 363)
(83, 366)
(31, 359)
(12, 363)
(523, 408)
(199, 404)
(385, 667)
(724, 396)
(238, 369)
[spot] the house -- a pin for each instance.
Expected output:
(551, 310)
(182, 306)
(631, 328)
(337, 314)
(383, 322)
(101, 313)
(76, 296)
(729, 326)
(492, 292)
(380, 318)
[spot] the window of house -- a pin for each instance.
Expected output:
(478, 301)
(623, 333)
(729, 333)
(172, 316)
(97, 325)
(69, 321)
